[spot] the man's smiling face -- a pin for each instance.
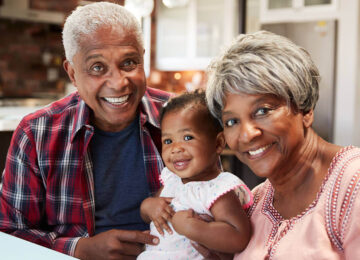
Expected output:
(108, 71)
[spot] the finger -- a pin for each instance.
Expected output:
(167, 216)
(127, 257)
(129, 249)
(137, 237)
(158, 228)
(170, 211)
(205, 252)
(167, 227)
(204, 217)
(168, 200)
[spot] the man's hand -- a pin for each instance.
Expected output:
(114, 244)
(159, 211)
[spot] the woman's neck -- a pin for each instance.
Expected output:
(303, 167)
(297, 186)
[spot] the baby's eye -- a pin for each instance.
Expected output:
(167, 141)
(262, 111)
(230, 122)
(188, 137)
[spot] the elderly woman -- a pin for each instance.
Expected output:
(264, 89)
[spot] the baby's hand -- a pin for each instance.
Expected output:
(180, 220)
(160, 212)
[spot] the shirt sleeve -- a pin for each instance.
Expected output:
(167, 177)
(23, 197)
(226, 183)
(349, 223)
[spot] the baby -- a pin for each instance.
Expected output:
(192, 141)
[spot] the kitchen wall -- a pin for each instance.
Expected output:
(31, 53)
(31, 57)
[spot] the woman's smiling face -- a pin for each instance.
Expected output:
(263, 131)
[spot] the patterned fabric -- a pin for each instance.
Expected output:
(199, 196)
(47, 192)
(327, 229)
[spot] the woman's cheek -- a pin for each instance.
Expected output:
(230, 137)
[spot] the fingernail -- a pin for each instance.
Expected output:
(155, 240)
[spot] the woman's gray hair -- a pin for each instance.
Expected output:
(263, 63)
(85, 20)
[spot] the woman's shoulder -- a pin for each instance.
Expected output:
(342, 193)
(259, 193)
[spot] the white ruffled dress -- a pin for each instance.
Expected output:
(199, 196)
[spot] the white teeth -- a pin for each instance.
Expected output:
(117, 100)
(258, 151)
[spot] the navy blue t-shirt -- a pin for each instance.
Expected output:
(119, 178)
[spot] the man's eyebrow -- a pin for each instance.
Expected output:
(94, 56)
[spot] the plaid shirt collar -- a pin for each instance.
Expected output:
(82, 116)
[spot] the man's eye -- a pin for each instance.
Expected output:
(230, 122)
(262, 111)
(167, 141)
(188, 137)
(97, 68)
(129, 65)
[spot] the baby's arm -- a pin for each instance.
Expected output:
(158, 210)
(229, 232)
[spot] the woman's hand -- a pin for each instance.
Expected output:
(159, 211)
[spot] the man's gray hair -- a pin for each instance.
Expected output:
(263, 63)
(85, 20)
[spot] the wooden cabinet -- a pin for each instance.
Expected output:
(280, 11)
(188, 37)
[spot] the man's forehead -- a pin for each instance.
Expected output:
(106, 37)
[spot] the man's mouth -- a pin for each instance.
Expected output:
(259, 150)
(117, 100)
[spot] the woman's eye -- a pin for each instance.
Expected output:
(167, 141)
(188, 137)
(230, 122)
(262, 111)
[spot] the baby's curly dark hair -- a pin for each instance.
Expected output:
(197, 98)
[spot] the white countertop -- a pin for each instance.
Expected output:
(13, 248)
(10, 117)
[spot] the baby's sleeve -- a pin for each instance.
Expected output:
(226, 183)
(167, 177)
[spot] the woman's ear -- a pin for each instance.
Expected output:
(220, 142)
(308, 118)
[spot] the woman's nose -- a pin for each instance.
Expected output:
(248, 131)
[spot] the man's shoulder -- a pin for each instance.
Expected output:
(157, 95)
(60, 108)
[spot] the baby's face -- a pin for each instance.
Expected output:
(189, 149)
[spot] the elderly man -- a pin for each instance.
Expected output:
(77, 170)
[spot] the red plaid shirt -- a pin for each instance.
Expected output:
(47, 192)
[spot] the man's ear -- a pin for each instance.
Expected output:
(220, 142)
(70, 71)
(308, 118)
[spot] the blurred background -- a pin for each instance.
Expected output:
(181, 37)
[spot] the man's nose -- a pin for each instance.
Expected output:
(118, 79)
